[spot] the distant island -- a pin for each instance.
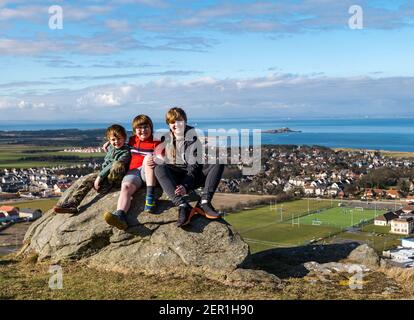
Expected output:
(281, 130)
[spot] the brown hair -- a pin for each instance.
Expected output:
(175, 114)
(141, 120)
(116, 130)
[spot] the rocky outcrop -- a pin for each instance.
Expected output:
(365, 255)
(152, 244)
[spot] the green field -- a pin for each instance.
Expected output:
(340, 217)
(289, 224)
(285, 235)
(379, 242)
(13, 156)
(44, 204)
(376, 229)
(270, 226)
(275, 213)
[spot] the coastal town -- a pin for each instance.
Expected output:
(298, 170)
(323, 172)
(35, 183)
(291, 172)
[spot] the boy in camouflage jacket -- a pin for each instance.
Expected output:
(114, 167)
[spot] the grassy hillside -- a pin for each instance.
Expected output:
(43, 204)
(27, 280)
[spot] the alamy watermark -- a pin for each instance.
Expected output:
(56, 18)
(241, 147)
(356, 281)
(56, 279)
(356, 21)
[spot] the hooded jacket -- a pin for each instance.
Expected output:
(185, 153)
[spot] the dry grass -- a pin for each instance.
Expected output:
(404, 277)
(26, 279)
(385, 153)
(229, 200)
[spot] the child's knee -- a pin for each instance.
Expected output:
(128, 187)
(117, 172)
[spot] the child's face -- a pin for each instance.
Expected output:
(116, 142)
(178, 127)
(143, 132)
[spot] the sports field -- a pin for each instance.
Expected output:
(293, 223)
(275, 213)
(270, 226)
(340, 217)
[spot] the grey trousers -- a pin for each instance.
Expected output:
(169, 177)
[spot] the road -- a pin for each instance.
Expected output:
(375, 204)
(11, 238)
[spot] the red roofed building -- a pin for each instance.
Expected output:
(368, 194)
(393, 194)
(408, 209)
(380, 193)
(10, 212)
(59, 188)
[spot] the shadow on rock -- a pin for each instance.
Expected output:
(99, 196)
(198, 223)
(288, 262)
(139, 230)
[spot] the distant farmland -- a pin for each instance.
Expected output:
(22, 156)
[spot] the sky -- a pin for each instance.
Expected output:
(112, 60)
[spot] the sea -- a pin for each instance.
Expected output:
(367, 133)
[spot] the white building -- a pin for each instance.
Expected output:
(408, 243)
(385, 219)
(30, 214)
(402, 225)
(402, 256)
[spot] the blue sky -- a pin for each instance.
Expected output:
(116, 59)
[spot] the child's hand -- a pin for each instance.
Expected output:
(105, 146)
(151, 162)
(180, 190)
(97, 183)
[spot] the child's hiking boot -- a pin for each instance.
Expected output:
(183, 215)
(150, 204)
(209, 210)
(66, 207)
(116, 219)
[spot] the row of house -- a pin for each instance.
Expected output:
(37, 182)
(84, 150)
(320, 172)
(378, 194)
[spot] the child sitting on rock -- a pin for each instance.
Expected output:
(141, 170)
(113, 170)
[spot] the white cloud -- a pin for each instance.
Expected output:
(118, 25)
(271, 96)
(109, 97)
(14, 103)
